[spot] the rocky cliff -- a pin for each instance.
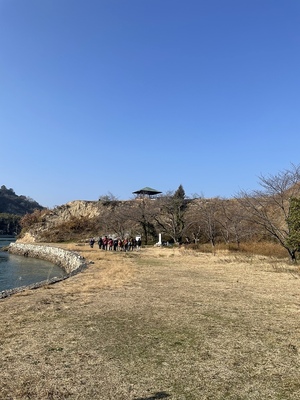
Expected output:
(62, 223)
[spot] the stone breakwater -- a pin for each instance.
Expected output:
(71, 262)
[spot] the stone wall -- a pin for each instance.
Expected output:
(70, 261)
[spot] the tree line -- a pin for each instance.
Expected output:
(10, 224)
(12, 208)
(271, 213)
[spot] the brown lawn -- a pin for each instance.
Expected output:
(156, 324)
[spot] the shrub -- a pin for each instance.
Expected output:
(265, 248)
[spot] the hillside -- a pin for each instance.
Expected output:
(11, 203)
(72, 221)
(12, 209)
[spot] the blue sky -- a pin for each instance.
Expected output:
(100, 96)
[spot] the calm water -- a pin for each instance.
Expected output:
(18, 271)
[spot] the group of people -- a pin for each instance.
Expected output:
(117, 244)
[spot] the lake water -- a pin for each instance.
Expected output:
(16, 271)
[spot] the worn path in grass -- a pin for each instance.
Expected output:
(156, 324)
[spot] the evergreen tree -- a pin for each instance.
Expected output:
(180, 193)
(293, 222)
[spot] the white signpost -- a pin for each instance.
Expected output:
(159, 240)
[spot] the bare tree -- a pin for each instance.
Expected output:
(207, 212)
(119, 222)
(270, 208)
(233, 224)
(171, 219)
(142, 212)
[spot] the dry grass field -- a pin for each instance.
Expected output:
(156, 324)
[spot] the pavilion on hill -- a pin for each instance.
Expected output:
(146, 191)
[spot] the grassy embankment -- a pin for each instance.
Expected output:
(162, 323)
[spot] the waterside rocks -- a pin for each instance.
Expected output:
(70, 261)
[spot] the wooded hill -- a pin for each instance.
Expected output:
(12, 208)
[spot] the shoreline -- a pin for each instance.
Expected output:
(71, 262)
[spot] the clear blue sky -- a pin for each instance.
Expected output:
(101, 96)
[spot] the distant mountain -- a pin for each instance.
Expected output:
(11, 203)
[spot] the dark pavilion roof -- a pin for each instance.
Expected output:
(147, 190)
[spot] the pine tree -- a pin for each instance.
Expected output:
(180, 193)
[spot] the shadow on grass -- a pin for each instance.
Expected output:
(155, 396)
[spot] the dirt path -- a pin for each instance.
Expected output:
(156, 324)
